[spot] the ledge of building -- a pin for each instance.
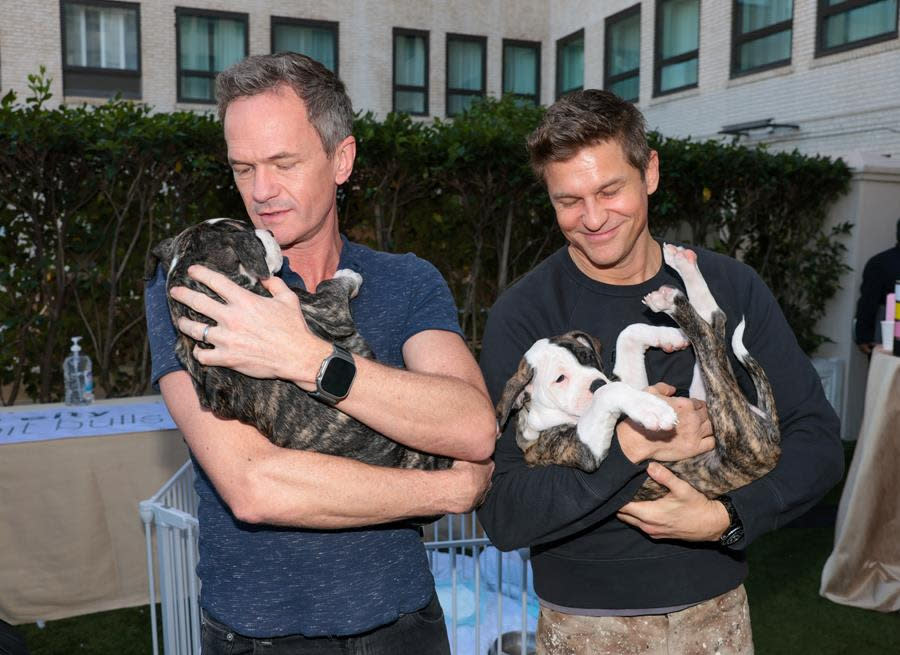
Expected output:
(873, 165)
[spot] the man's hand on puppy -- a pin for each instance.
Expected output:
(693, 434)
(254, 335)
(683, 513)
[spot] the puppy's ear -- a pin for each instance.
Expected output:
(161, 253)
(591, 342)
(253, 256)
(514, 392)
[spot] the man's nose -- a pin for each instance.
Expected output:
(264, 185)
(594, 214)
(596, 384)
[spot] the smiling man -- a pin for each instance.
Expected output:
(302, 552)
(665, 576)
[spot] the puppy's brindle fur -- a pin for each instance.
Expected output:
(747, 438)
(280, 410)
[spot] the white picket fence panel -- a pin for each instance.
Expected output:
(484, 592)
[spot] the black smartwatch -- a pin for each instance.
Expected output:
(335, 376)
(735, 530)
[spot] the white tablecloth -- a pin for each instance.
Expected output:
(71, 538)
(863, 570)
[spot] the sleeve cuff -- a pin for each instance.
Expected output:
(164, 372)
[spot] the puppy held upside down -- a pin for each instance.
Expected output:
(567, 408)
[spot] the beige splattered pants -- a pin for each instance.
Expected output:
(719, 626)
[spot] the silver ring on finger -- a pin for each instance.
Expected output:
(205, 334)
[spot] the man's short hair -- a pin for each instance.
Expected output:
(588, 118)
(322, 92)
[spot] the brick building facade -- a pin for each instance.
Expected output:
(829, 101)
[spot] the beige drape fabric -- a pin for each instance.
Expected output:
(71, 538)
(864, 567)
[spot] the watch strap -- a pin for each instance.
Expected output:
(735, 530)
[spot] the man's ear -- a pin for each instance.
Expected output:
(651, 173)
(344, 156)
(514, 392)
(161, 253)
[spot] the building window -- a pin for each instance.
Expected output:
(101, 49)
(522, 69)
(622, 59)
(677, 45)
(317, 39)
(761, 35)
(411, 71)
(570, 63)
(843, 25)
(208, 42)
(466, 71)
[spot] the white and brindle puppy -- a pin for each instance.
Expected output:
(280, 410)
(568, 408)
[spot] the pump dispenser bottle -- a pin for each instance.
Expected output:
(78, 376)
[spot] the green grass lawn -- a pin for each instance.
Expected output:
(120, 632)
(789, 617)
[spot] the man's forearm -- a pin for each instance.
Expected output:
(527, 506)
(438, 414)
(304, 489)
(263, 483)
(437, 404)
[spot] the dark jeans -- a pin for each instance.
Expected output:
(419, 633)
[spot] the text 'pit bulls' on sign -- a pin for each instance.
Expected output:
(41, 424)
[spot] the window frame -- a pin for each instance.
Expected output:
(738, 39)
(206, 13)
(426, 35)
(330, 25)
(532, 45)
(607, 46)
(659, 62)
(560, 44)
(94, 72)
(448, 90)
(823, 12)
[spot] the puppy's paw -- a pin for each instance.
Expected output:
(679, 258)
(354, 278)
(662, 300)
(654, 413)
(671, 339)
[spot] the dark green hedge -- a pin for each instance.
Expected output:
(85, 192)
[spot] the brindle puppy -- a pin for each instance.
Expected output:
(566, 429)
(282, 411)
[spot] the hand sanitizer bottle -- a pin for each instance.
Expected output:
(78, 376)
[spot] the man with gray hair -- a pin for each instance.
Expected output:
(303, 552)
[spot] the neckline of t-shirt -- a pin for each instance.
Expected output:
(347, 259)
(663, 276)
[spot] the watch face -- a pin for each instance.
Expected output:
(338, 377)
(732, 536)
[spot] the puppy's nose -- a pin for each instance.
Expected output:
(596, 384)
